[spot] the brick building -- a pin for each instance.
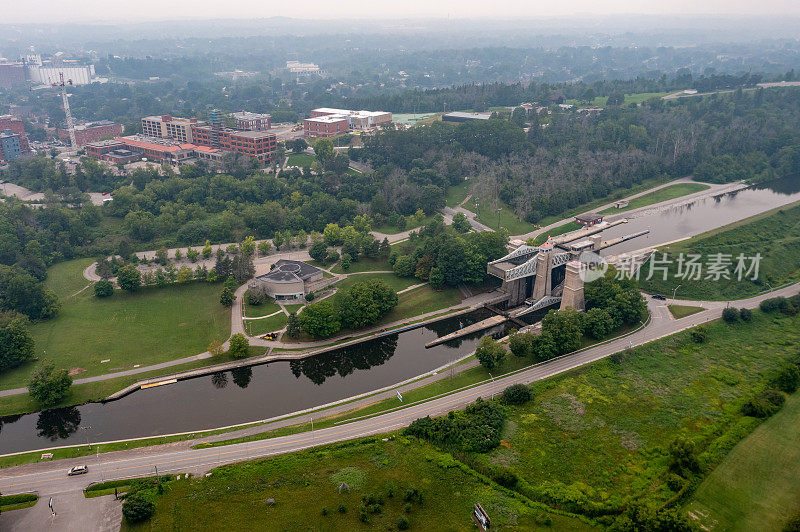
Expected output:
(92, 132)
(159, 150)
(252, 121)
(18, 128)
(326, 121)
(169, 127)
(258, 144)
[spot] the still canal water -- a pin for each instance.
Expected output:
(245, 394)
(260, 392)
(702, 215)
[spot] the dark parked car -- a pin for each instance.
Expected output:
(659, 297)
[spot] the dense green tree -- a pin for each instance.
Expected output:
(460, 223)
(365, 303)
(227, 296)
(48, 386)
(490, 353)
(564, 326)
(103, 288)
(129, 278)
(16, 343)
(318, 251)
(292, 325)
(136, 509)
(239, 346)
(320, 319)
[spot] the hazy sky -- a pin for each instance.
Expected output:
(100, 11)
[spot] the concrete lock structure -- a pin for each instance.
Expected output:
(537, 277)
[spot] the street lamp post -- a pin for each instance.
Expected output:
(675, 291)
(498, 217)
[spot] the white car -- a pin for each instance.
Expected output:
(78, 470)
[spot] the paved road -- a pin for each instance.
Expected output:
(49, 478)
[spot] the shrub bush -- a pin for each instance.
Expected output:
(103, 288)
(773, 304)
(402, 522)
(475, 429)
(505, 477)
(730, 315)
(517, 394)
(764, 404)
(137, 509)
(793, 524)
(342, 509)
(746, 314)
(788, 379)
(698, 335)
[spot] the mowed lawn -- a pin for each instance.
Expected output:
(508, 219)
(394, 282)
(663, 194)
(304, 483)
(756, 487)
(147, 327)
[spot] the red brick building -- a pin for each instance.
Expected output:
(92, 132)
(18, 128)
(258, 144)
(325, 126)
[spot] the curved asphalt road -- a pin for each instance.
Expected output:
(50, 479)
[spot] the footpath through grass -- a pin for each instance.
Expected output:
(657, 196)
(305, 487)
(774, 235)
(756, 487)
(147, 327)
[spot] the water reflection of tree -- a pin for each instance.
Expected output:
(8, 419)
(242, 376)
(346, 360)
(60, 423)
(219, 379)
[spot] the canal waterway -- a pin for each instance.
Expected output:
(264, 391)
(701, 215)
(246, 394)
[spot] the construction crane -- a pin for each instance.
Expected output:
(70, 121)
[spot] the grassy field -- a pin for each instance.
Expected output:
(775, 235)
(681, 311)
(300, 159)
(638, 98)
(598, 434)
(387, 229)
(756, 487)
(304, 483)
(395, 282)
(422, 300)
(264, 309)
(555, 231)
(457, 193)
(365, 264)
(657, 196)
(147, 327)
(508, 219)
(262, 326)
